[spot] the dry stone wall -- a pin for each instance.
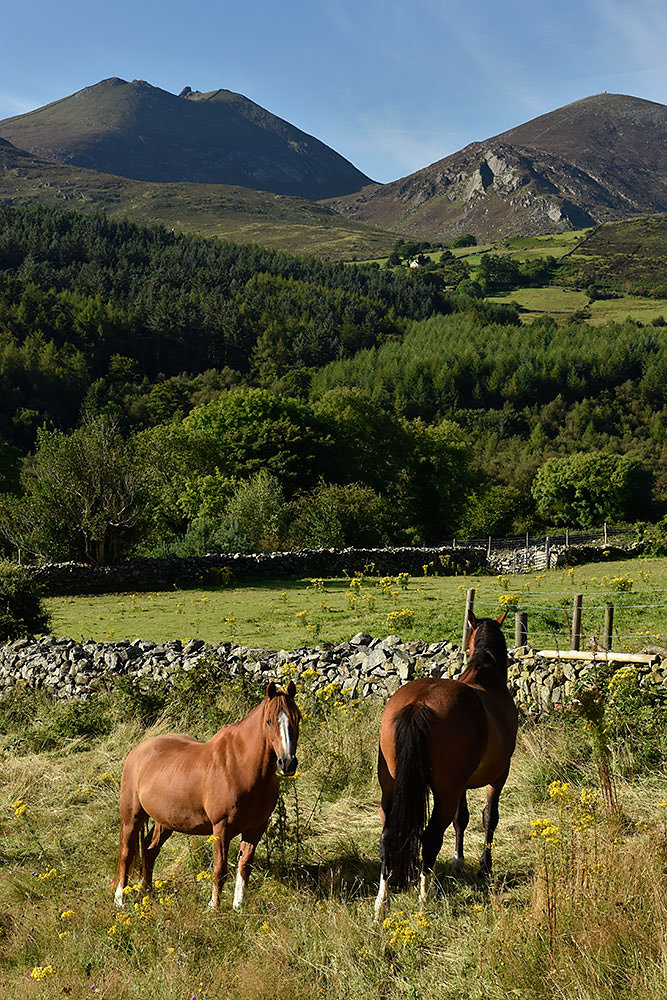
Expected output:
(363, 667)
(159, 574)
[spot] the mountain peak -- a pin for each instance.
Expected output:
(601, 158)
(142, 132)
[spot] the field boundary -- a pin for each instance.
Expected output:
(59, 579)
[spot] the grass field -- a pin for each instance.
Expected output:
(561, 303)
(576, 910)
(289, 614)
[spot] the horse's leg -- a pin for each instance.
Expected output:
(151, 845)
(220, 869)
(490, 821)
(387, 785)
(431, 844)
(460, 823)
(249, 841)
(445, 805)
(130, 827)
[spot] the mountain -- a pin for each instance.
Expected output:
(596, 160)
(142, 132)
(295, 225)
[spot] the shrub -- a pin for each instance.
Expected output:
(21, 609)
(258, 508)
(465, 240)
(334, 515)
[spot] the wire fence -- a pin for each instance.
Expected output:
(628, 622)
(605, 535)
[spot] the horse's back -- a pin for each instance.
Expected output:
(470, 737)
(456, 720)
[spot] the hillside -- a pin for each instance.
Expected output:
(596, 160)
(233, 213)
(142, 132)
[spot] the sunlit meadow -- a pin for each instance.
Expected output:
(576, 906)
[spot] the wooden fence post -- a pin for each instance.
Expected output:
(608, 624)
(521, 628)
(547, 551)
(575, 638)
(470, 607)
(605, 532)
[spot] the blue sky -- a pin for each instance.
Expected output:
(391, 85)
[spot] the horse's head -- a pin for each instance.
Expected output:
(486, 635)
(281, 720)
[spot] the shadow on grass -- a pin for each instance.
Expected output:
(349, 875)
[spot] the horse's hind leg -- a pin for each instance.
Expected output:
(444, 809)
(151, 844)
(460, 823)
(431, 844)
(387, 785)
(249, 841)
(490, 821)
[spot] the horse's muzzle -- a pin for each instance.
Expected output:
(287, 766)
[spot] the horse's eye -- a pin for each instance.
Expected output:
(268, 722)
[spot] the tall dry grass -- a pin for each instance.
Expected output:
(580, 914)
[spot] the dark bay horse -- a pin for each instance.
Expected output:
(446, 735)
(223, 787)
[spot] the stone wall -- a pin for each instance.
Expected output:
(159, 574)
(363, 667)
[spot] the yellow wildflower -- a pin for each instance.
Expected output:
(42, 971)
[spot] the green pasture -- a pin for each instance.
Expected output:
(561, 303)
(635, 307)
(524, 248)
(305, 612)
(551, 300)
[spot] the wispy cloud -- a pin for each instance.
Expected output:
(10, 105)
(638, 33)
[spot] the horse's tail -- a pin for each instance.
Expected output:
(409, 806)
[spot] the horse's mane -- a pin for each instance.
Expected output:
(489, 659)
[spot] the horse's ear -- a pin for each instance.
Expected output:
(271, 690)
(472, 621)
(291, 689)
(501, 618)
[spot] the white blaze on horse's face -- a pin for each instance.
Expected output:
(287, 760)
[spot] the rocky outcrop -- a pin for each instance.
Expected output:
(596, 160)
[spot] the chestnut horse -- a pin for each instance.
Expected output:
(223, 787)
(446, 735)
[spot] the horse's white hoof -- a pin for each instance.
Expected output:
(458, 864)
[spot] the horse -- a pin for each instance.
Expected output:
(449, 736)
(221, 788)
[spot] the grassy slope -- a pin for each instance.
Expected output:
(633, 252)
(213, 210)
(289, 614)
